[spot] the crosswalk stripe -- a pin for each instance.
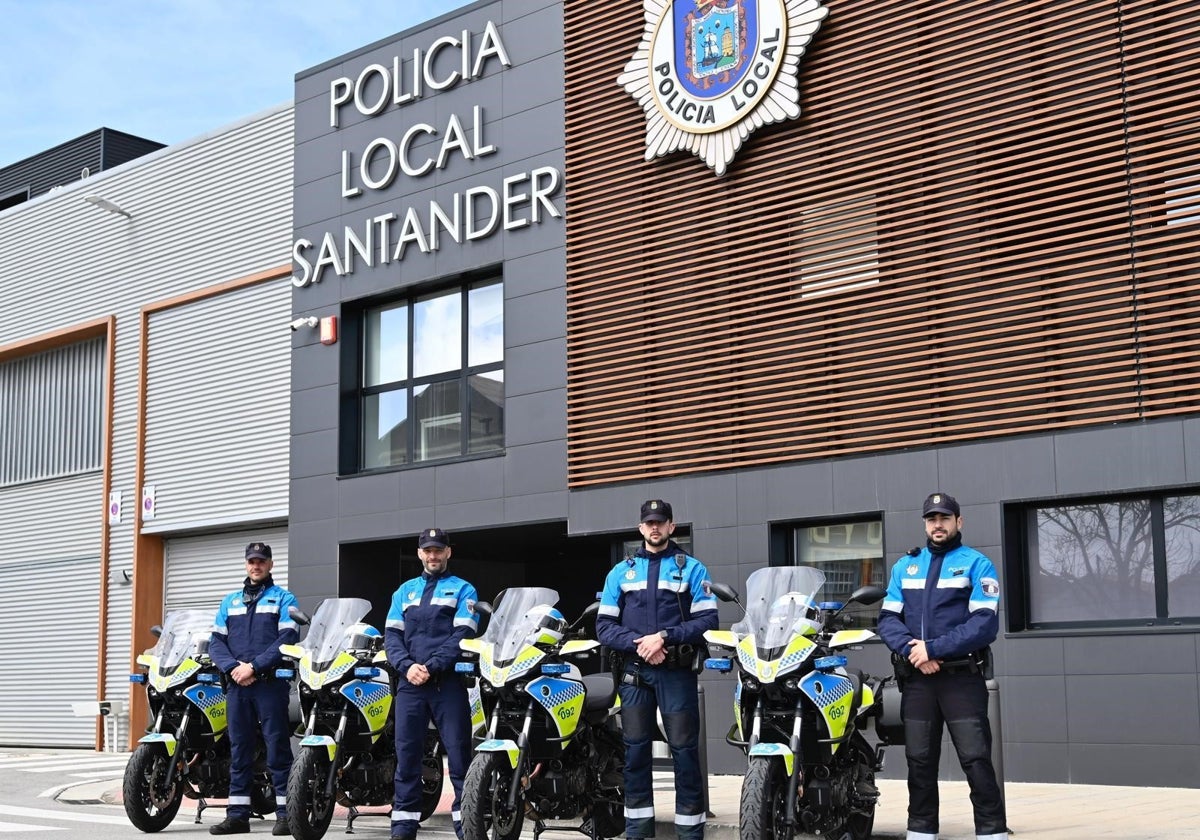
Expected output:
(60, 763)
(64, 816)
(24, 827)
(58, 768)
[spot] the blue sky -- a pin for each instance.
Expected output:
(169, 70)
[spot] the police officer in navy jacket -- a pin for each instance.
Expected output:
(938, 619)
(428, 618)
(654, 610)
(250, 626)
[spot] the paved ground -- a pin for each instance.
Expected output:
(1035, 811)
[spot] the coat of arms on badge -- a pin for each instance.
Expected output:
(709, 72)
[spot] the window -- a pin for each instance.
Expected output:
(840, 247)
(51, 410)
(849, 553)
(1106, 562)
(433, 377)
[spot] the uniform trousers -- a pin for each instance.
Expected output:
(444, 701)
(264, 702)
(959, 702)
(672, 691)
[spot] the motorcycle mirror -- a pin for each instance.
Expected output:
(589, 611)
(483, 608)
(299, 616)
(869, 594)
(724, 592)
(156, 631)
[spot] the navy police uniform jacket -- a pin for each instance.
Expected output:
(252, 629)
(646, 593)
(429, 616)
(953, 610)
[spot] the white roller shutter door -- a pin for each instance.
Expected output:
(48, 652)
(202, 570)
(218, 410)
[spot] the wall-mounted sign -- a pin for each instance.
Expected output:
(149, 503)
(114, 507)
(709, 72)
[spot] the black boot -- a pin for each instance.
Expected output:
(282, 829)
(231, 826)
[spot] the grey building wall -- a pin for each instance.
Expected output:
(523, 110)
(1092, 707)
(71, 161)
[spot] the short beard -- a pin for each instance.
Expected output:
(662, 541)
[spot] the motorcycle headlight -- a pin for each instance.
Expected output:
(750, 684)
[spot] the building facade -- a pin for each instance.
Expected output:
(968, 264)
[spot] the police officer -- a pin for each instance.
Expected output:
(250, 626)
(654, 610)
(938, 619)
(429, 616)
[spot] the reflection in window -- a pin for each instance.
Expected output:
(840, 247)
(437, 391)
(1132, 561)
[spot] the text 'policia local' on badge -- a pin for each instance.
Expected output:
(709, 72)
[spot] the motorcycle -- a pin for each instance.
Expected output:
(799, 712)
(553, 747)
(185, 753)
(348, 753)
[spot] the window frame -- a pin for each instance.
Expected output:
(1020, 551)
(354, 393)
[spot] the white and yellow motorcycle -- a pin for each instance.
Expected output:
(799, 711)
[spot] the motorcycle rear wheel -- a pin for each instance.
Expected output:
(149, 807)
(762, 812)
(485, 811)
(309, 809)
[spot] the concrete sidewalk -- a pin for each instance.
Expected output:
(1035, 811)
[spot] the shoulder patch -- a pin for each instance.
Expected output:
(990, 586)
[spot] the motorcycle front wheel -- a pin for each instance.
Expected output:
(309, 809)
(432, 775)
(762, 813)
(148, 805)
(485, 811)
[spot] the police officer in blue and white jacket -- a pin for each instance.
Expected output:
(428, 618)
(250, 626)
(938, 618)
(654, 610)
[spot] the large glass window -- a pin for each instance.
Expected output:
(1133, 561)
(419, 401)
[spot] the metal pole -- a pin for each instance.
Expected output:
(703, 748)
(993, 713)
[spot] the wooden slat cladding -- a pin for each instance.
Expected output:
(984, 223)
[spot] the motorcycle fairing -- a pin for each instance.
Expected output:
(563, 701)
(342, 663)
(504, 745)
(167, 740)
(868, 700)
(833, 695)
(842, 638)
(737, 710)
(478, 720)
(798, 649)
(373, 701)
(162, 682)
(209, 699)
(766, 749)
(320, 741)
(499, 675)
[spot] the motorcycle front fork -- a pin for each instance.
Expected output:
(795, 784)
(522, 753)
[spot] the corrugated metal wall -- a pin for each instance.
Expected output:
(218, 408)
(984, 224)
(51, 520)
(203, 213)
(48, 640)
(202, 570)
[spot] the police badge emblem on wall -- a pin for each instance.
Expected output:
(709, 72)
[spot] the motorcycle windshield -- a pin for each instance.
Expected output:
(781, 602)
(512, 622)
(181, 630)
(327, 632)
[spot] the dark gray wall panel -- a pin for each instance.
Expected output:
(1034, 656)
(537, 468)
(1121, 764)
(369, 494)
(314, 453)
(470, 481)
(1167, 653)
(536, 367)
(1041, 763)
(534, 273)
(536, 507)
(539, 317)
(801, 490)
(1107, 709)
(314, 409)
(1127, 456)
(1191, 449)
(1034, 709)
(532, 418)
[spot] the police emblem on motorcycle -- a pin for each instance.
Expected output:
(709, 72)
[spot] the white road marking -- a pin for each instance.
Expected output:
(23, 827)
(65, 816)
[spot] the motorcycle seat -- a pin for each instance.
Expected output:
(601, 692)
